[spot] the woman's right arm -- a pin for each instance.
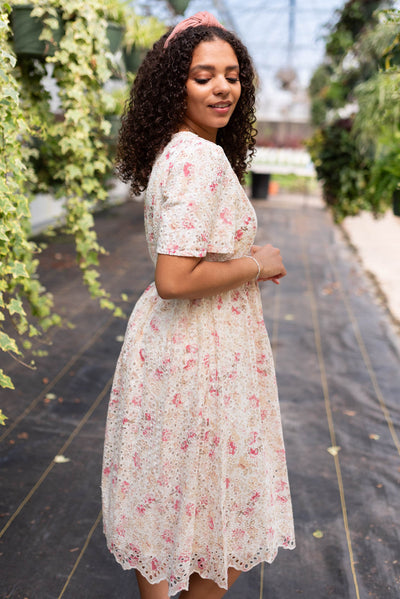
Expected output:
(179, 277)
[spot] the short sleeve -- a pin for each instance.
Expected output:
(197, 213)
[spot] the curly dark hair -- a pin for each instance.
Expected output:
(156, 106)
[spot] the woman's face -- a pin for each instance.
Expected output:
(213, 88)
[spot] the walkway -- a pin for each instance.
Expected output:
(338, 368)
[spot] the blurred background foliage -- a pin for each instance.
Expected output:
(355, 109)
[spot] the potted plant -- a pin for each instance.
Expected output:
(28, 23)
(140, 33)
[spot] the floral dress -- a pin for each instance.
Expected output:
(194, 473)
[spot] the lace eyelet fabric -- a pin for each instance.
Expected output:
(194, 471)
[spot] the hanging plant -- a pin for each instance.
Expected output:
(66, 152)
(28, 28)
(140, 34)
(20, 290)
(78, 151)
(81, 69)
(80, 162)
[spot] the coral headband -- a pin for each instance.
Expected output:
(200, 18)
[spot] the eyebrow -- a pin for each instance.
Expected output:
(208, 67)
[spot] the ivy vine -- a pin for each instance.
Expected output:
(81, 67)
(66, 153)
(18, 255)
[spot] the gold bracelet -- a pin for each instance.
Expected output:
(258, 266)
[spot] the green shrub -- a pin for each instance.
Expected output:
(357, 159)
(342, 169)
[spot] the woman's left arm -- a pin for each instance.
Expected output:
(179, 277)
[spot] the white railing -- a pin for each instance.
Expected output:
(283, 161)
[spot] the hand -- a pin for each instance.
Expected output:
(270, 260)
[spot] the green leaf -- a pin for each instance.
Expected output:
(3, 236)
(12, 59)
(19, 270)
(15, 307)
(5, 381)
(52, 23)
(73, 171)
(37, 11)
(3, 417)
(33, 331)
(105, 303)
(10, 92)
(7, 343)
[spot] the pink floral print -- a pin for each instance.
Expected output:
(194, 474)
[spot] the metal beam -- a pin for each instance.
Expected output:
(292, 30)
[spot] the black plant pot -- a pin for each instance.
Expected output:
(27, 31)
(260, 186)
(396, 202)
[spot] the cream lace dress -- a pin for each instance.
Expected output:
(194, 474)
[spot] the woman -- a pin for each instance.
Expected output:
(195, 485)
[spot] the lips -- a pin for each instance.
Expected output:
(221, 109)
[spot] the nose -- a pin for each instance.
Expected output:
(221, 87)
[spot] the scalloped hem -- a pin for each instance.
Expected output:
(175, 588)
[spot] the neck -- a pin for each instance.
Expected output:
(209, 135)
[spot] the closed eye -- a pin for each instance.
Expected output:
(204, 81)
